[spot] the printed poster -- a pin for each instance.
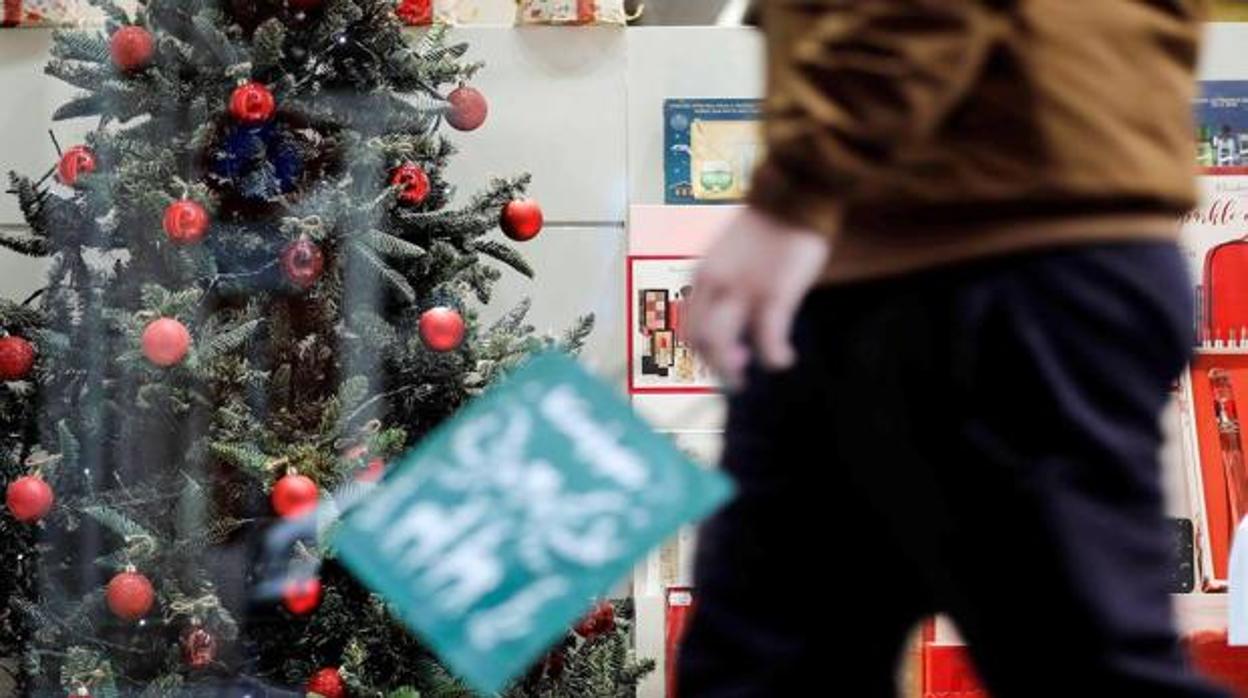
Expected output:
(1221, 112)
(1218, 374)
(711, 147)
(661, 355)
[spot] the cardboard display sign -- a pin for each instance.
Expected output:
(493, 536)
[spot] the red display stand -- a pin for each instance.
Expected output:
(679, 612)
(948, 671)
(1208, 483)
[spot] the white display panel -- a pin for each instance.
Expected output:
(575, 272)
(557, 111)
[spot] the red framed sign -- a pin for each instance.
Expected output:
(660, 356)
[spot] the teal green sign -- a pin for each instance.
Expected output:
(494, 535)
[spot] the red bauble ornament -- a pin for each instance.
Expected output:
(372, 472)
(468, 109)
(82, 692)
(303, 262)
(302, 596)
(186, 222)
(606, 618)
(328, 683)
(252, 104)
(522, 219)
(600, 621)
(417, 13)
(294, 495)
(414, 182)
(132, 48)
(442, 329)
(17, 357)
(75, 162)
(305, 5)
(130, 595)
(199, 647)
(28, 498)
(166, 341)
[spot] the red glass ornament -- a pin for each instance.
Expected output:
(166, 342)
(75, 162)
(328, 683)
(130, 595)
(28, 498)
(468, 109)
(294, 495)
(372, 472)
(302, 596)
(252, 103)
(414, 182)
(417, 13)
(522, 219)
(132, 48)
(442, 329)
(305, 5)
(303, 262)
(199, 647)
(186, 222)
(17, 358)
(599, 621)
(81, 692)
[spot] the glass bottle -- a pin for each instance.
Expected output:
(1230, 444)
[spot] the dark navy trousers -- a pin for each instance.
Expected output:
(980, 441)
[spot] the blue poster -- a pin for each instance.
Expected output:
(494, 535)
(711, 147)
(1221, 112)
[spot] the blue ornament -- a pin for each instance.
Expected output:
(261, 161)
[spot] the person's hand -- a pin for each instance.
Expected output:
(747, 291)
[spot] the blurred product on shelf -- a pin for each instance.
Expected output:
(573, 12)
(1227, 417)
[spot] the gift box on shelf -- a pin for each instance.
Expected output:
(423, 13)
(573, 12)
(32, 13)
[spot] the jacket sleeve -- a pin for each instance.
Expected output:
(853, 84)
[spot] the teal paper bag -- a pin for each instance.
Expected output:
(493, 536)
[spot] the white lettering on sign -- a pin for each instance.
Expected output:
(504, 503)
(467, 572)
(569, 413)
(514, 618)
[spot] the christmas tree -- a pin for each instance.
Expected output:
(258, 295)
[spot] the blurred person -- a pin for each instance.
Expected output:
(949, 319)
